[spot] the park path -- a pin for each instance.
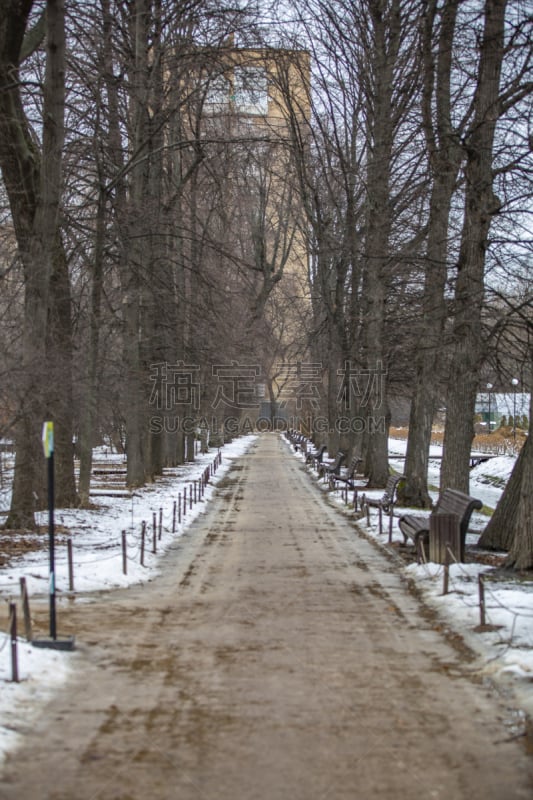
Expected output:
(279, 656)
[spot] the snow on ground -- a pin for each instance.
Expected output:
(505, 643)
(96, 536)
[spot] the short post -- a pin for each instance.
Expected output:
(179, 508)
(380, 518)
(391, 520)
(184, 500)
(154, 538)
(143, 536)
(446, 576)
(13, 633)
(174, 517)
(124, 554)
(367, 509)
(481, 589)
(70, 565)
(160, 523)
(26, 609)
(190, 496)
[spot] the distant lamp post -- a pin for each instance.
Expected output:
(514, 383)
(489, 390)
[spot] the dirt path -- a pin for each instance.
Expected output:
(279, 657)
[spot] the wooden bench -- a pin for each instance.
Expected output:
(326, 470)
(298, 441)
(348, 476)
(451, 501)
(314, 458)
(385, 503)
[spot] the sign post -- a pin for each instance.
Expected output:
(48, 446)
(63, 643)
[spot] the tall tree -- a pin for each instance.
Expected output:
(490, 101)
(445, 155)
(32, 176)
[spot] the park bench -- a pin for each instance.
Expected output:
(298, 441)
(314, 457)
(451, 501)
(326, 470)
(347, 477)
(385, 503)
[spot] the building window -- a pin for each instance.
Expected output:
(250, 90)
(218, 94)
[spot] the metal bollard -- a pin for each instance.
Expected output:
(124, 554)
(70, 565)
(13, 633)
(143, 536)
(481, 589)
(26, 609)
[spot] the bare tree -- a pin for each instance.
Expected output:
(481, 204)
(358, 188)
(32, 176)
(445, 156)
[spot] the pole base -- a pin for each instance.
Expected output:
(59, 643)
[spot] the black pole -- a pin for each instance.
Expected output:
(514, 415)
(53, 632)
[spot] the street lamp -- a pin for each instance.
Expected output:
(489, 389)
(514, 383)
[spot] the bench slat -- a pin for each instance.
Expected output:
(451, 501)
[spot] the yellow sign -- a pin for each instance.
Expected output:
(48, 439)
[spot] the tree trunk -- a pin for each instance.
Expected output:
(134, 384)
(521, 552)
(33, 183)
(445, 157)
(386, 31)
(90, 399)
(333, 366)
(480, 205)
(59, 390)
(511, 526)
(500, 532)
